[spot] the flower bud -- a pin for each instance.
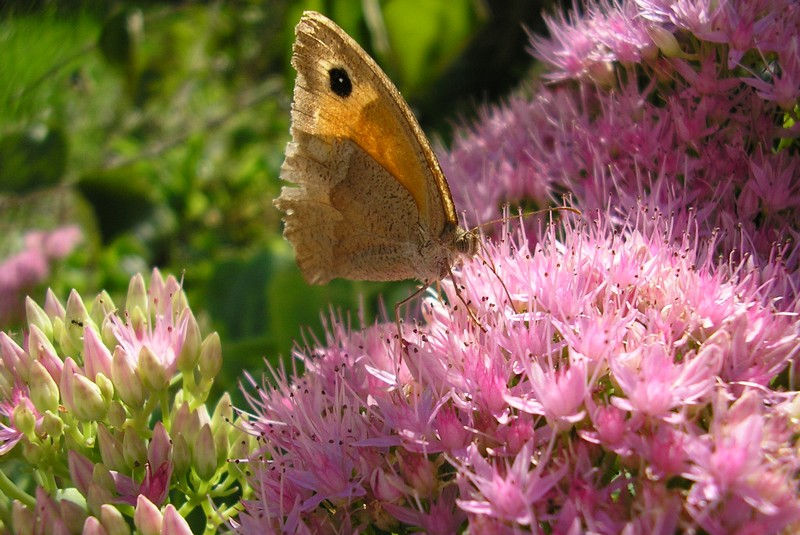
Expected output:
(96, 356)
(210, 356)
(15, 361)
(102, 306)
(418, 472)
(44, 390)
(159, 449)
(151, 370)
(40, 348)
(107, 333)
(53, 306)
(185, 423)
(80, 471)
(92, 526)
(106, 388)
(74, 515)
(147, 518)
(133, 448)
(24, 419)
(22, 519)
(386, 487)
(52, 425)
(181, 455)
(102, 476)
(137, 296)
(32, 452)
(174, 523)
(37, 316)
(116, 414)
(223, 414)
(138, 321)
(204, 454)
(97, 496)
(665, 41)
(88, 404)
(113, 520)
(127, 382)
(110, 449)
(190, 350)
(76, 318)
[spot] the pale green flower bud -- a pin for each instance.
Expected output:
(129, 386)
(137, 296)
(52, 425)
(107, 333)
(221, 445)
(97, 496)
(181, 455)
(185, 422)
(106, 388)
(24, 420)
(665, 41)
(134, 448)
(204, 454)
(152, 371)
(223, 414)
(44, 390)
(88, 403)
(102, 306)
(210, 356)
(116, 414)
(190, 351)
(32, 452)
(76, 318)
(113, 521)
(37, 316)
(101, 475)
(110, 449)
(138, 319)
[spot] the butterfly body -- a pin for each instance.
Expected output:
(368, 200)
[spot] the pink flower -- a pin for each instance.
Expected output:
(507, 492)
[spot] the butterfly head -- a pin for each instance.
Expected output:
(466, 241)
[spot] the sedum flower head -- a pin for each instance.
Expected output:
(684, 106)
(628, 345)
(91, 399)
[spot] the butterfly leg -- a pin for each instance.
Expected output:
(402, 303)
(461, 298)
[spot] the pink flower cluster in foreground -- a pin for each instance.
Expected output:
(30, 266)
(105, 408)
(686, 105)
(628, 385)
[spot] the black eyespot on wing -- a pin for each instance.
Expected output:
(340, 82)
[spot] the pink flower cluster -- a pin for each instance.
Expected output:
(623, 383)
(30, 266)
(683, 105)
(634, 370)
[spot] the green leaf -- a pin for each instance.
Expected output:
(31, 160)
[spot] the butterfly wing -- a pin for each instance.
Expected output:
(368, 193)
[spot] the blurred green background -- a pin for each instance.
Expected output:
(159, 129)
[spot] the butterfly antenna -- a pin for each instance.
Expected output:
(399, 304)
(523, 215)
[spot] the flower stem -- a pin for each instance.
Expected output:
(10, 489)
